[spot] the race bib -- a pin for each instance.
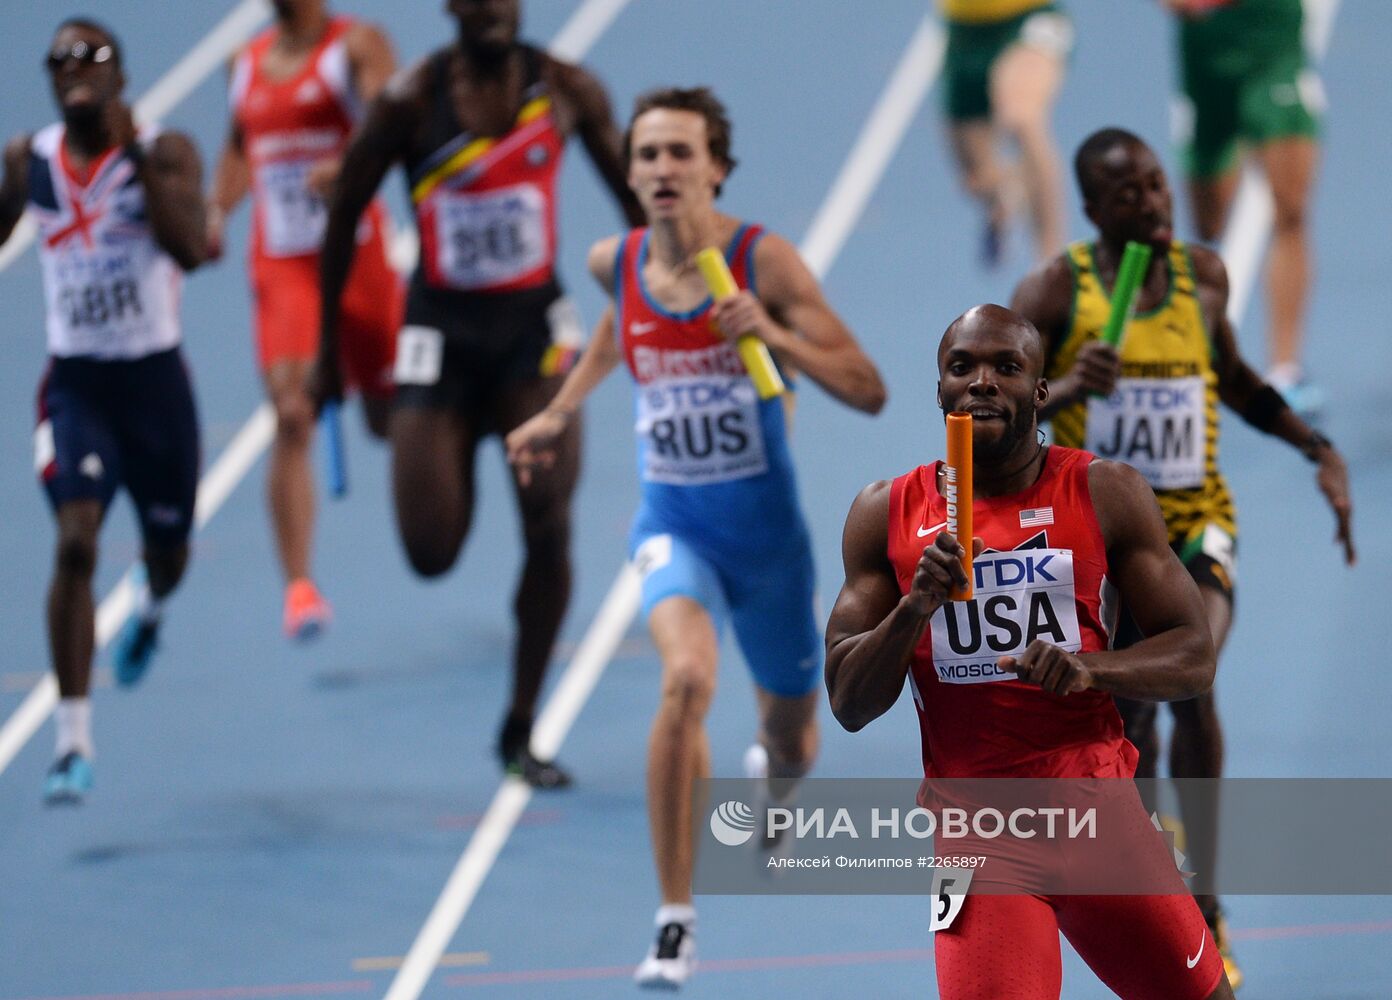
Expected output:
(490, 238)
(97, 298)
(699, 430)
(1156, 426)
(1018, 596)
(420, 354)
(292, 217)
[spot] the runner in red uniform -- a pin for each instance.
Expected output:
(298, 90)
(1018, 681)
(480, 126)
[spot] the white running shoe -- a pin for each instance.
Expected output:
(670, 961)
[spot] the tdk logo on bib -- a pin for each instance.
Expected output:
(1154, 425)
(700, 430)
(1019, 596)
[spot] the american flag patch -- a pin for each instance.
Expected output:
(1036, 517)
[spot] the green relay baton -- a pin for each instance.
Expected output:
(1134, 261)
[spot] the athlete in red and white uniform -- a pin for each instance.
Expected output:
(297, 92)
(1018, 681)
(480, 126)
(119, 213)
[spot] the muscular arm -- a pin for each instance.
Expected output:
(173, 177)
(384, 137)
(1242, 389)
(872, 632)
(793, 318)
(232, 176)
(1045, 298)
(1176, 659)
(874, 629)
(14, 188)
(594, 121)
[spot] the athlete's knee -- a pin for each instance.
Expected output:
(688, 685)
(164, 567)
(791, 749)
(294, 419)
(1200, 712)
(1290, 214)
(76, 553)
(428, 555)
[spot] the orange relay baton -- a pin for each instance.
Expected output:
(752, 351)
(957, 480)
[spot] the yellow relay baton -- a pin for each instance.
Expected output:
(752, 351)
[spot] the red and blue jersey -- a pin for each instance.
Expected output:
(713, 458)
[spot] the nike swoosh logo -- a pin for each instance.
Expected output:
(638, 329)
(925, 532)
(1195, 960)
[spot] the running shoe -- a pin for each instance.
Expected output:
(1305, 398)
(306, 612)
(544, 775)
(135, 647)
(670, 961)
(1219, 926)
(68, 781)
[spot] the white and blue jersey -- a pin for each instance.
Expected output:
(719, 520)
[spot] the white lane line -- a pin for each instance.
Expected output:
(207, 55)
(1249, 224)
(875, 146)
(181, 79)
(871, 154)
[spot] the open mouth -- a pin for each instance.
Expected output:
(986, 413)
(664, 196)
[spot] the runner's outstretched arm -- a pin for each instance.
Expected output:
(14, 189)
(173, 179)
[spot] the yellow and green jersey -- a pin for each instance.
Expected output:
(1163, 417)
(987, 11)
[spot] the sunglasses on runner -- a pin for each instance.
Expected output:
(80, 51)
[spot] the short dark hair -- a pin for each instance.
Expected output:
(92, 24)
(698, 99)
(1093, 150)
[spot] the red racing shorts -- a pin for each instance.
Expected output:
(286, 290)
(1141, 947)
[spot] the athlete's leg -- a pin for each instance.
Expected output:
(1000, 947)
(433, 483)
(1289, 165)
(71, 611)
(543, 592)
(1196, 751)
(983, 174)
(1145, 947)
(290, 475)
(1211, 198)
(678, 752)
(788, 731)
(1025, 80)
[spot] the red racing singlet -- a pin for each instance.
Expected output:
(287, 127)
(486, 205)
(699, 418)
(1043, 575)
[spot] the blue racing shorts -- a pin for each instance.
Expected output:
(771, 603)
(106, 424)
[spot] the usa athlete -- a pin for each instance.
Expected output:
(480, 127)
(719, 531)
(297, 91)
(994, 703)
(120, 217)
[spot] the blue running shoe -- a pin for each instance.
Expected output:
(69, 780)
(134, 647)
(1306, 399)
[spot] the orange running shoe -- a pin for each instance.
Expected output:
(306, 612)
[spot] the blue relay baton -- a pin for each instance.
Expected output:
(335, 458)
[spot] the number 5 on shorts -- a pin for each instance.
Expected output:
(949, 891)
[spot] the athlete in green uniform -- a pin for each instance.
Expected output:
(1248, 87)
